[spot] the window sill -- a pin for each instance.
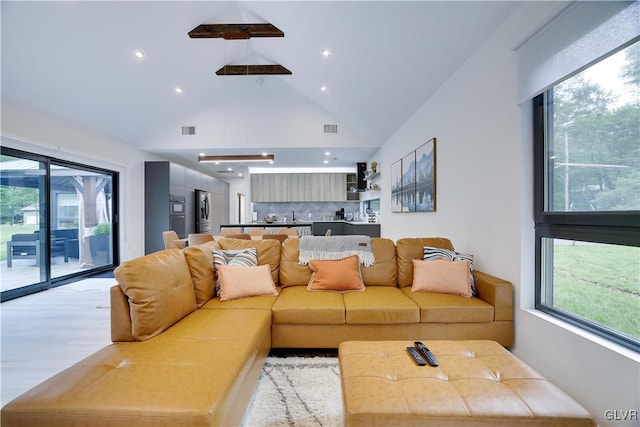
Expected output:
(596, 339)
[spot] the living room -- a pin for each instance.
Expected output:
(484, 191)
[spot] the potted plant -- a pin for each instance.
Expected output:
(100, 244)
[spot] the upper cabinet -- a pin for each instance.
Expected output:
(299, 187)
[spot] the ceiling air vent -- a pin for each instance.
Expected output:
(330, 128)
(188, 130)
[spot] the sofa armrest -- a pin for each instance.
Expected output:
(121, 328)
(497, 292)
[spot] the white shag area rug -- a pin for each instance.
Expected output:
(297, 391)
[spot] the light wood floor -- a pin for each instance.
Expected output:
(46, 332)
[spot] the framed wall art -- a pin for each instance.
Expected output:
(396, 187)
(413, 180)
(426, 177)
(409, 182)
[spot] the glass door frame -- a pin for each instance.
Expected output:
(45, 215)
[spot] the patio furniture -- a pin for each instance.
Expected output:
(27, 246)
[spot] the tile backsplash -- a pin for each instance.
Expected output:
(304, 211)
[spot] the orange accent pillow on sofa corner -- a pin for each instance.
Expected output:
(336, 275)
(442, 276)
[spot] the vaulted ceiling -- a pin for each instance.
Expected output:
(76, 60)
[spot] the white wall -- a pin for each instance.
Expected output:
(29, 130)
(484, 205)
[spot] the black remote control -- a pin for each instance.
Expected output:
(416, 356)
(426, 353)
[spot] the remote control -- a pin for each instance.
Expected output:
(426, 353)
(416, 356)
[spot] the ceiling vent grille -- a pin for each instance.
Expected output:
(188, 130)
(330, 128)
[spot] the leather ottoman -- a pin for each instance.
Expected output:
(478, 383)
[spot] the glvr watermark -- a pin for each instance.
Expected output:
(621, 414)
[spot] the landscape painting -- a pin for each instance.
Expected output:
(426, 177)
(408, 193)
(396, 187)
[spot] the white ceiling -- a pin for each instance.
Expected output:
(75, 60)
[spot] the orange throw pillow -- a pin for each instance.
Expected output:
(238, 281)
(442, 276)
(336, 275)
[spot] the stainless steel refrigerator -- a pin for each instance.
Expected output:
(204, 212)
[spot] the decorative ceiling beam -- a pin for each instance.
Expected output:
(234, 31)
(250, 70)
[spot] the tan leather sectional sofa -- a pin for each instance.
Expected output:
(182, 358)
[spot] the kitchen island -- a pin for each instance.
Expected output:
(340, 227)
(316, 228)
(304, 228)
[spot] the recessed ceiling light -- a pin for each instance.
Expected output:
(240, 174)
(139, 54)
(327, 153)
(323, 88)
(178, 90)
(325, 162)
(325, 52)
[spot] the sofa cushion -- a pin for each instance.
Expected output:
(200, 260)
(159, 290)
(190, 375)
(411, 248)
(380, 305)
(433, 254)
(382, 273)
(297, 305)
(241, 282)
(447, 277)
(385, 270)
(447, 308)
(246, 257)
(268, 252)
(336, 275)
(262, 302)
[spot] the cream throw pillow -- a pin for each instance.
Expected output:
(442, 276)
(239, 281)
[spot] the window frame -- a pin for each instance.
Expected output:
(47, 281)
(607, 227)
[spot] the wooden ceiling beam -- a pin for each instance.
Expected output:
(249, 70)
(234, 31)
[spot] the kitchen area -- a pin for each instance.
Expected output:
(345, 203)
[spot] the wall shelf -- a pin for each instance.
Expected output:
(371, 175)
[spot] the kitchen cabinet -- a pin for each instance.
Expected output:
(352, 186)
(165, 182)
(303, 187)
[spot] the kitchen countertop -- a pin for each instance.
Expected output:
(347, 222)
(269, 224)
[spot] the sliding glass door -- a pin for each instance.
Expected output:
(57, 222)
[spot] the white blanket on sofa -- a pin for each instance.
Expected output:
(336, 247)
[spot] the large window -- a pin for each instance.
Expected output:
(587, 198)
(57, 222)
